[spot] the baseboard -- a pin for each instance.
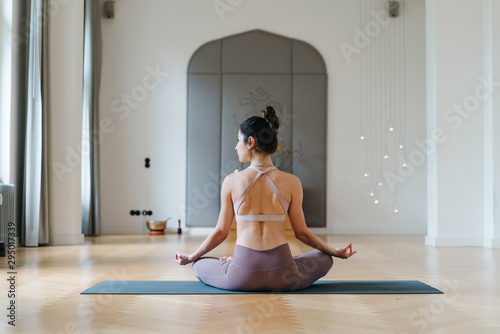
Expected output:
(118, 230)
(492, 243)
(454, 241)
(332, 230)
(66, 239)
(372, 230)
(198, 230)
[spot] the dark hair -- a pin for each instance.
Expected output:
(264, 129)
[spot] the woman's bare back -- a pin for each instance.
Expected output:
(261, 199)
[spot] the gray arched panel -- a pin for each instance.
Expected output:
(232, 79)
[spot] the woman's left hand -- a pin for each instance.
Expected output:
(344, 252)
(183, 259)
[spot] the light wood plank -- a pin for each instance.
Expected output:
(50, 279)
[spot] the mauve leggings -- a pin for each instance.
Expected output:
(268, 270)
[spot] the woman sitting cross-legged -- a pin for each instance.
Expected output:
(261, 196)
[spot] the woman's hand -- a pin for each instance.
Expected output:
(344, 252)
(183, 259)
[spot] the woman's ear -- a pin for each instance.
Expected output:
(251, 142)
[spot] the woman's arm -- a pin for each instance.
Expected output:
(221, 230)
(297, 220)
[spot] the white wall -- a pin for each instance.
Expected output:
(65, 76)
(494, 231)
(165, 33)
(458, 182)
(463, 93)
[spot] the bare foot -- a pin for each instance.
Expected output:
(226, 258)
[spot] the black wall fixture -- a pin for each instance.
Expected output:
(138, 212)
(147, 164)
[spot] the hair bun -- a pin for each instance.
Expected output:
(269, 114)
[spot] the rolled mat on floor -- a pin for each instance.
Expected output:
(198, 288)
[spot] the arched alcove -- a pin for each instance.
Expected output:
(231, 79)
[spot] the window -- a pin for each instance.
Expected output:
(5, 87)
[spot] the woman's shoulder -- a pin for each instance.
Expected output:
(248, 173)
(236, 176)
(287, 175)
(285, 179)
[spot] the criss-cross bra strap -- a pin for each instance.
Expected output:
(282, 199)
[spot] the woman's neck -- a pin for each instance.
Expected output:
(262, 161)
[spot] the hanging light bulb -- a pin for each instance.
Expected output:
(390, 127)
(400, 142)
(395, 207)
(386, 154)
(380, 180)
(375, 197)
(361, 134)
(371, 190)
(366, 171)
(404, 162)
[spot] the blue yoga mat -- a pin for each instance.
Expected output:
(198, 288)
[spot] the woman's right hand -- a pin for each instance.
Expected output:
(344, 252)
(183, 259)
(226, 259)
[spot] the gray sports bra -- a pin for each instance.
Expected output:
(260, 218)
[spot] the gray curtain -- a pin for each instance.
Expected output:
(91, 86)
(29, 89)
(20, 10)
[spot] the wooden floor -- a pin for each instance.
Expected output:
(49, 280)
